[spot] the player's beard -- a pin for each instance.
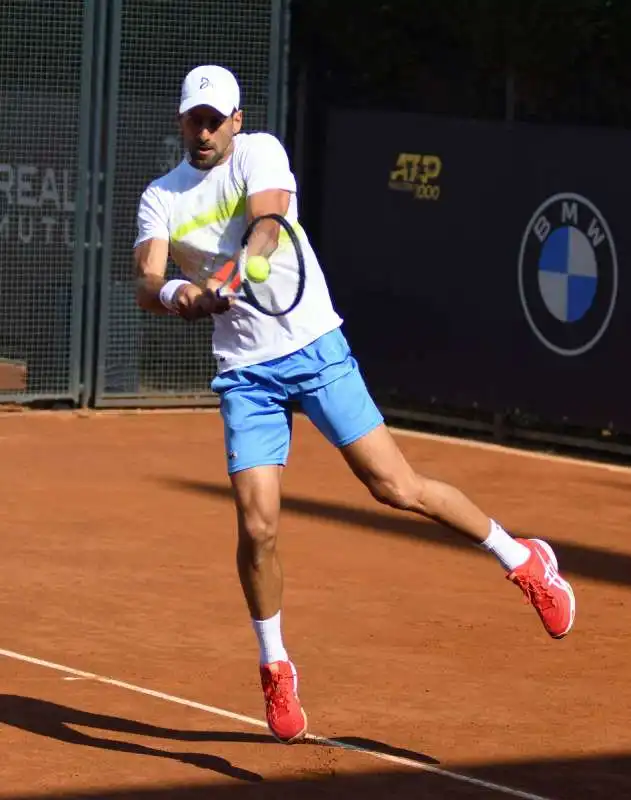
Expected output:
(204, 159)
(218, 151)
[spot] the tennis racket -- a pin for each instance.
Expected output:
(280, 292)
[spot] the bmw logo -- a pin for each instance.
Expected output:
(568, 274)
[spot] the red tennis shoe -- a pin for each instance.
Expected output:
(550, 595)
(285, 715)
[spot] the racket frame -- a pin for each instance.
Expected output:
(239, 268)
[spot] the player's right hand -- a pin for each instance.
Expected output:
(193, 303)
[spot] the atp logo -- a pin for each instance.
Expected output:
(417, 173)
(568, 274)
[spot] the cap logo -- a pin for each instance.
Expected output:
(205, 83)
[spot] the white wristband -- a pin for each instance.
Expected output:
(167, 293)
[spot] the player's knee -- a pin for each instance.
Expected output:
(417, 493)
(397, 492)
(257, 534)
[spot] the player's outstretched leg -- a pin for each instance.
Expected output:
(530, 563)
(257, 494)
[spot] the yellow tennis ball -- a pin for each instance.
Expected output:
(257, 269)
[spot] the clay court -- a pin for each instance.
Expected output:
(128, 665)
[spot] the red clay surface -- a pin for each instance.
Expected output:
(12, 375)
(117, 557)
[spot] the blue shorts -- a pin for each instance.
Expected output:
(323, 379)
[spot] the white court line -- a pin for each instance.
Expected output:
(510, 451)
(432, 437)
(397, 431)
(220, 712)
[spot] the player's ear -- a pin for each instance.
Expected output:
(237, 121)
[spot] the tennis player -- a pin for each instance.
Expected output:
(197, 213)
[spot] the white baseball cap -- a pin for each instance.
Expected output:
(213, 86)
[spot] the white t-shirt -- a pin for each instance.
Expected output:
(201, 213)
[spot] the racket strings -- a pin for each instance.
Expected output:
(282, 290)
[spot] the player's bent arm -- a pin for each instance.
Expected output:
(151, 266)
(264, 239)
(179, 297)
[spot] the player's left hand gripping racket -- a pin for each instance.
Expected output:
(281, 291)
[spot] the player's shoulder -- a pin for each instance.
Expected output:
(258, 142)
(172, 182)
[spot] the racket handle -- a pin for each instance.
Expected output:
(223, 274)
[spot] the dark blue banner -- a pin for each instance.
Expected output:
(479, 264)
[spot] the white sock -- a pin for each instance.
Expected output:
(509, 553)
(270, 639)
